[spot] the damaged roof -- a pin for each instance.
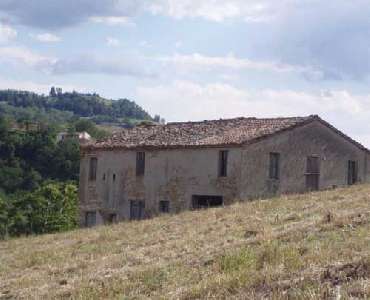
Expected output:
(213, 133)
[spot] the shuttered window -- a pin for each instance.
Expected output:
(140, 163)
(274, 165)
(313, 173)
(222, 163)
(93, 168)
(313, 165)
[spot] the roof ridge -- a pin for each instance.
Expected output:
(209, 133)
(240, 118)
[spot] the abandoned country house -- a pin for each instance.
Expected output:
(152, 169)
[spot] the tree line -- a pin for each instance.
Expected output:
(38, 180)
(81, 105)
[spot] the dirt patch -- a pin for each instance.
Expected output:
(337, 275)
(351, 221)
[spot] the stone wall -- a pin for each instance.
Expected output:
(294, 147)
(170, 175)
(178, 174)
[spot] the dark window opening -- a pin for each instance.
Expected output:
(137, 209)
(222, 166)
(313, 173)
(112, 218)
(201, 201)
(93, 168)
(140, 163)
(274, 172)
(114, 177)
(352, 172)
(90, 218)
(104, 177)
(164, 206)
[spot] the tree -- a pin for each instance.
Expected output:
(53, 92)
(157, 118)
(50, 208)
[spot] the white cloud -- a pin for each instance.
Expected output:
(185, 100)
(144, 44)
(82, 64)
(40, 88)
(112, 42)
(47, 38)
(201, 62)
(91, 64)
(7, 33)
(120, 12)
(113, 20)
(24, 56)
(216, 10)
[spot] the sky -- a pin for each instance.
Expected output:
(198, 59)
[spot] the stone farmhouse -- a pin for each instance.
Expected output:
(155, 169)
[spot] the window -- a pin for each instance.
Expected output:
(90, 218)
(114, 177)
(104, 177)
(164, 206)
(274, 166)
(140, 163)
(222, 166)
(205, 201)
(137, 208)
(112, 218)
(352, 172)
(313, 173)
(93, 168)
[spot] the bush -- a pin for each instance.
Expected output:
(50, 208)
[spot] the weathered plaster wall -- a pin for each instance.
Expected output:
(367, 155)
(173, 175)
(294, 146)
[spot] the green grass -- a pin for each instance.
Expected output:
(313, 246)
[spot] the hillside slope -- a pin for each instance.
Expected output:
(302, 246)
(63, 107)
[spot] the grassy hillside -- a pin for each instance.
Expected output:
(299, 247)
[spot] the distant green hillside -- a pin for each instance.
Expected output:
(59, 107)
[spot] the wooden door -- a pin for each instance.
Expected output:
(352, 172)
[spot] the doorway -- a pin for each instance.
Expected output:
(137, 208)
(205, 201)
(352, 172)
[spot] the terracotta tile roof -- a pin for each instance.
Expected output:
(232, 132)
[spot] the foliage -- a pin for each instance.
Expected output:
(90, 127)
(30, 106)
(28, 158)
(30, 155)
(32, 113)
(50, 208)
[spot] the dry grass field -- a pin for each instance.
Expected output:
(313, 246)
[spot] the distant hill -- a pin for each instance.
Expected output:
(59, 107)
(311, 246)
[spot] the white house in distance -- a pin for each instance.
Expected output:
(83, 137)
